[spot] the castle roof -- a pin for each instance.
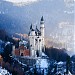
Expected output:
(37, 32)
(31, 28)
(42, 18)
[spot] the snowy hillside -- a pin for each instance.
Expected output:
(4, 72)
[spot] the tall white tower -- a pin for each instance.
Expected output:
(32, 41)
(42, 28)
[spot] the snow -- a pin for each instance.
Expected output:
(42, 63)
(20, 62)
(7, 43)
(69, 73)
(43, 54)
(60, 63)
(4, 72)
(23, 42)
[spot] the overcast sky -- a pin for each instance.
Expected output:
(17, 1)
(25, 0)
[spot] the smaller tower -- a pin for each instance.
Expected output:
(42, 28)
(31, 27)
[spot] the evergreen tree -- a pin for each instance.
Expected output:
(67, 64)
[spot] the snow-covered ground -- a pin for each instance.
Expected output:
(61, 68)
(42, 63)
(4, 72)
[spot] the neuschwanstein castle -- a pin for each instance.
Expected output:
(36, 39)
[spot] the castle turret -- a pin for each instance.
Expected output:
(32, 41)
(31, 27)
(42, 28)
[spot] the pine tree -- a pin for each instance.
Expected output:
(67, 64)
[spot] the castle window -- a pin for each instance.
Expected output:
(39, 40)
(36, 39)
(37, 53)
(31, 45)
(21, 54)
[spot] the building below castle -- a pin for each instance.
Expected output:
(21, 51)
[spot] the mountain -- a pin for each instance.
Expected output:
(17, 19)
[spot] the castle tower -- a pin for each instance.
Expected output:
(42, 28)
(32, 41)
(36, 39)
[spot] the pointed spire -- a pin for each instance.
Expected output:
(37, 29)
(31, 27)
(42, 18)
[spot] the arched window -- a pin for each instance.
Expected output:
(37, 53)
(21, 54)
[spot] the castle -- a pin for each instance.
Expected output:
(36, 43)
(36, 40)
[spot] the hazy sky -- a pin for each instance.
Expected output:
(17, 1)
